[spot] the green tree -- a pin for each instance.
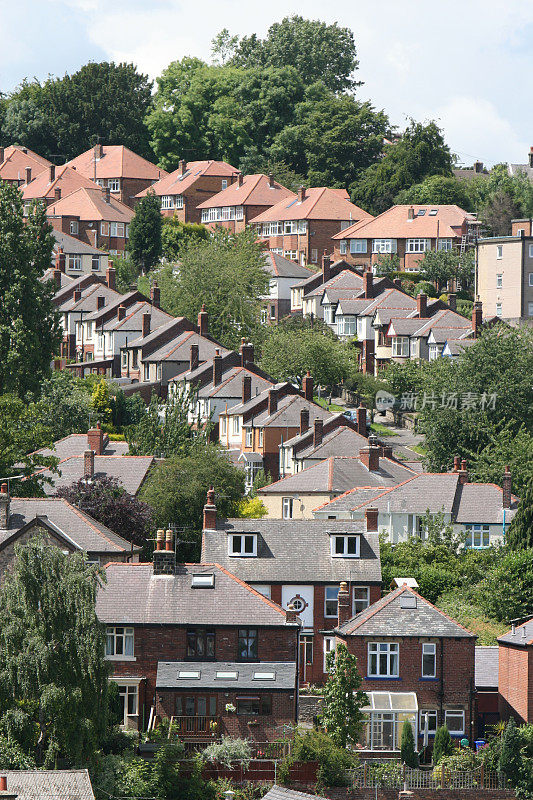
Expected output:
(53, 676)
(421, 151)
(498, 212)
(499, 197)
(343, 699)
(22, 431)
(511, 756)
(436, 190)
(127, 272)
(30, 331)
(318, 51)
(101, 401)
(176, 490)
(507, 589)
(442, 266)
(164, 429)
(408, 753)
(443, 745)
(175, 234)
(520, 534)
(144, 245)
(65, 404)
(506, 447)
(386, 264)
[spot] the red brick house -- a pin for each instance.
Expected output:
(301, 228)
(52, 184)
(118, 169)
(190, 184)
(195, 643)
(246, 198)
(417, 666)
(300, 563)
(94, 217)
(515, 673)
(15, 162)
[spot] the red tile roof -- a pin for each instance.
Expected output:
(318, 203)
(66, 179)
(90, 204)
(16, 159)
(395, 223)
(117, 161)
(255, 191)
(178, 182)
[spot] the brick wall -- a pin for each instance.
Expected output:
(203, 188)
(515, 682)
(129, 187)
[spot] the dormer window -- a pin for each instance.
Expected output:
(242, 544)
(345, 546)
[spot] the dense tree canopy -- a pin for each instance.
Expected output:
(175, 234)
(144, 246)
(437, 190)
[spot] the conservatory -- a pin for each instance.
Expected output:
(387, 712)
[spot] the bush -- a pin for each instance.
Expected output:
(407, 751)
(427, 288)
(228, 752)
(387, 774)
(443, 745)
(334, 762)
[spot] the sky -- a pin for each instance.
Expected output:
(466, 64)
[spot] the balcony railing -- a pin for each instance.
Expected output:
(197, 725)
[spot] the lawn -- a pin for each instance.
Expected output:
(382, 430)
(417, 448)
(333, 407)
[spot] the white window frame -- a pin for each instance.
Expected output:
(114, 184)
(104, 228)
(391, 653)
(343, 247)
(445, 244)
(531, 252)
(344, 539)
(249, 432)
(429, 649)
(224, 184)
(360, 603)
(287, 505)
(530, 309)
(178, 201)
(499, 281)
(454, 714)
(127, 643)
(74, 227)
(499, 251)
(400, 346)
(95, 263)
(167, 201)
(260, 443)
(417, 245)
(239, 545)
(223, 425)
(499, 310)
(383, 245)
(74, 262)
(346, 325)
(530, 279)
(358, 245)
(432, 717)
(314, 256)
(331, 595)
(479, 532)
(236, 425)
(329, 647)
(292, 255)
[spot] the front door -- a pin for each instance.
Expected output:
(195, 713)
(129, 699)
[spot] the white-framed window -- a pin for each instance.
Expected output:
(329, 647)
(331, 603)
(167, 201)
(236, 425)
(531, 251)
(520, 232)
(100, 181)
(345, 546)
(104, 228)
(74, 262)
(119, 642)
(223, 425)
(249, 437)
(290, 226)
(114, 184)
(343, 247)
(314, 256)
(346, 326)
(428, 717)
(400, 346)
(530, 309)
(273, 312)
(260, 443)
(124, 359)
(224, 184)
(146, 372)
(242, 544)
(531, 279)
(383, 659)
(100, 341)
(286, 507)
(499, 281)
(433, 352)
(74, 227)
(239, 212)
(429, 660)
(329, 314)
(499, 311)
(499, 251)
(412, 347)
(417, 245)
(129, 695)
(445, 244)
(302, 226)
(205, 215)
(358, 245)
(263, 316)
(95, 263)
(291, 254)
(360, 599)
(178, 201)
(272, 229)
(117, 229)
(455, 721)
(384, 245)
(477, 536)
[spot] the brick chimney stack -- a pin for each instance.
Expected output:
(463, 472)
(164, 560)
(107, 194)
(246, 388)
(121, 312)
(246, 351)
(291, 615)
(57, 279)
(326, 268)
(155, 295)
(28, 175)
(210, 511)
(147, 317)
(169, 541)
(307, 386)
(271, 180)
(304, 420)
(4, 507)
(52, 173)
(57, 194)
(203, 319)
(369, 456)
(182, 167)
(194, 359)
(506, 488)
(318, 432)
(217, 368)
(1, 155)
(386, 451)
(477, 318)
(98, 151)
(111, 277)
(422, 305)
(4, 794)
(240, 179)
(452, 301)
(77, 295)
(60, 260)
(272, 400)
(95, 440)
(88, 464)
(368, 285)
(343, 604)
(100, 302)
(301, 194)
(371, 519)
(410, 213)
(361, 420)
(397, 282)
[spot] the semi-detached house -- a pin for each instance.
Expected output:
(248, 196)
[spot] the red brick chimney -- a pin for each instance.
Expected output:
(463, 472)
(386, 451)
(121, 312)
(307, 386)
(397, 282)
(155, 295)
(52, 173)
(57, 278)
(160, 539)
(452, 301)
(326, 268)
(147, 317)
(422, 305)
(169, 541)
(182, 167)
(28, 175)
(304, 420)
(343, 604)
(210, 511)
(367, 356)
(203, 319)
(301, 194)
(247, 353)
(361, 419)
(477, 318)
(100, 302)
(95, 440)
(111, 277)
(272, 400)
(240, 179)
(88, 464)
(371, 519)
(217, 368)
(1, 155)
(369, 456)
(57, 194)
(456, 463)
(410, 213)
(98, 151)
(506, 488)
(77, 295)
(318, 432)
(368, 285)
(194, 359)
(271, 180)
(60, 260)
(4, 507)
(246, 388)
(107, 194)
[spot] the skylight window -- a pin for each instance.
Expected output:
(408, 601)
(203, 581)
(227, 676)
(191, 674)
(264, 676)
(433, 212)
(421, 212)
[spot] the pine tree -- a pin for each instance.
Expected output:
(510, 756)
(343, 700)
(443, 745)
(53, 675)
(145, 233)
(520, 534)
(407, 747)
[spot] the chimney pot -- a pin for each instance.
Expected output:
(88, 464)
(169, 541)
(210, 511)
(371, 519)
(361, 420)
(318, 432)
(301, 194)
(247, 353)
(272, 401)
(368, 285)
(121, 312)
(28, 175)
(146, 323)
(111, 277)
(343, 604)
(95, 440)
(195, 357)
(308, 386)
(506, 488)
(155, 295)
(246, 388)
(304, 420)
(456, 463)
(203, 319)
(326, 268)
(52, 173)
(160, 538)
(463, 472)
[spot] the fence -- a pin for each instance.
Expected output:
(274, 751)
(397, 776)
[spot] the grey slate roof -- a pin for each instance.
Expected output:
(435, 491)
(133, 319)
(68, 784)
(88, 302)
(129, 470)
(486, 667)
(482, 502)
(280, 267)
(522, 637)
(294, 551)
(133, 595)
(339, 474)
(288, 413)
(88, 534)
(167, 675)
(386, 617)
(70, 244)
(231, 384)
(281, 793)
(342, 441)
(76, 444)
(179, 349)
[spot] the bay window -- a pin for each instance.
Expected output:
(384, 245)
(383, 659)
(346, 326)
(400, 346)
(445, 244)
(167, 201)
(417, 245)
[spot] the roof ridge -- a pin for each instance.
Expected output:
(383, 601)
(251, 589)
